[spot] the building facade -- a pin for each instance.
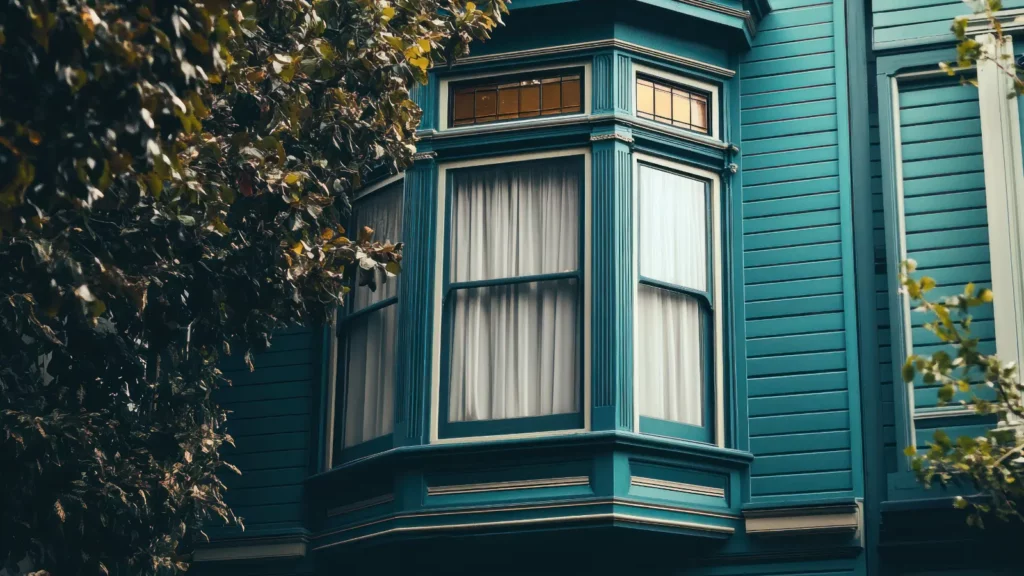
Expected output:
(648, 320)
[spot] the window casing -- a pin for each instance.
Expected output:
(675, 91)
(678, 367)
(368, 328)
(511, 350)
(528, 95)
(573, 78)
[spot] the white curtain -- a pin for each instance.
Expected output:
(370, 362)
(673, 249)
(514, 349)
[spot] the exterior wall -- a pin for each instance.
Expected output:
(903, 23)
(273, 424)
(801, 347)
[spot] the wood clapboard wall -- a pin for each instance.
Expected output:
(899, 23)
(798, 380)
(272, 423)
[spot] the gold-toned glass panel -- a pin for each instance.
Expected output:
(545, 94)
(672, 105)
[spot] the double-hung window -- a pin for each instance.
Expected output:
(512, 298)
(365, 397)
(677, 299)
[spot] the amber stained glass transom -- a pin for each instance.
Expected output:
(673, 105)
(543, 94)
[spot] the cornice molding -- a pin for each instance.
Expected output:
(788, 521)
(253, 549)
(745, 15)
(980, 24)
(611, 136)
(566, 49)
(583, 517)
(419, 156)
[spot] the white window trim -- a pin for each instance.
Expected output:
(332, 344)
(716, 249)
(716, 110)
(435, 369)
(443, 101)
(1004, 197)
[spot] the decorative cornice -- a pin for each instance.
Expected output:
(1007, 19)
(678, 486)
(614, 516)
(611, 136)
(610, 43)
(361, 505)
(745, 15)
(429, 155)
(786, 521)
(509, 485)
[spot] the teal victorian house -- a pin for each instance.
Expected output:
(648, 322)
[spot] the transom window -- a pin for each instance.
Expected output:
(512, 299)
(675, 322)
(543, 93)
(672, 104)
(365, 396)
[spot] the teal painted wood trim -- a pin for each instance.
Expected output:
(850, 307)
(612, 300)
(713, 12)
(873, 465)
(322, 407)
(415, 303)
(603, 84)
(736, 393)
(623, 83)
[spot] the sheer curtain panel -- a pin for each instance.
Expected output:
(673, 254)
(514, 346)
(370, 329)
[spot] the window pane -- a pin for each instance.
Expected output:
(515, 220)
(464, 106)
(645, 98)
(700, 114)
(551, 97)
(514, 351)
(369, 369)
(673, 228)
(509, 101)
(663, 104)
(571, 95)
(670, 359)
(381, 211)
(681, 109)
(529, 98)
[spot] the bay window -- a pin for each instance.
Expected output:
(512, 321)
(365, 396)
(677, 300)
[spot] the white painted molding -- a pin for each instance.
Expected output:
(595, 44)
(795, 521)
(1004, 195)
(253, 551)
(1008, 20)
(508, 485)
(677, 486)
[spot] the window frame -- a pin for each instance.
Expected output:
(713, 429)
(686, 83)
(446, 100)
(443, 431)
(343, 316)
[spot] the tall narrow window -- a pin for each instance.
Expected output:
(674, 305)
(367, 345)
(512, 299)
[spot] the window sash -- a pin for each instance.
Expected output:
(470, 92)
(662, 94)
(566, 421)
(705, 299)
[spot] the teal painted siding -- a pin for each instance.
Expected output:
(793, 256)
(917, 22)
(272, 421)
(944, 204)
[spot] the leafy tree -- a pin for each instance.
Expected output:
(173, 178)
(991, 465)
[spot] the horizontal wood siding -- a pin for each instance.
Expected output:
(796, 333)
(944, 205)
(900, 23)
(272, 422)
